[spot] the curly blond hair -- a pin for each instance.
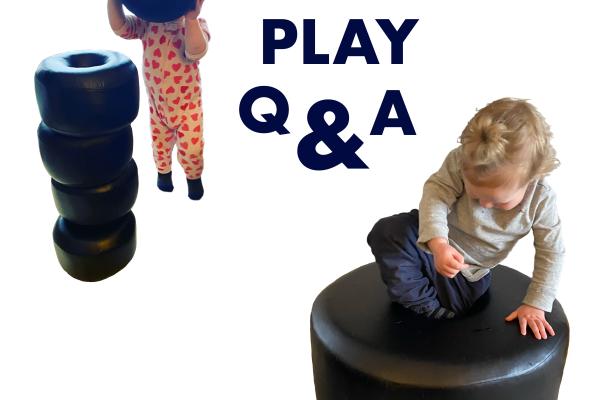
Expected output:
(508, 132)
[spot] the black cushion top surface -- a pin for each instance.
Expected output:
(355, 320)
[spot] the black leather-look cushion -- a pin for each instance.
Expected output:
(98, 204)
(159, 10)
(93, 253)
(87, 93)
(365, 347)
(85, 161)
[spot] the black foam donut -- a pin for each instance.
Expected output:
(159, 10)
(364, 347)
(85, 93)
(84, 161)
(98, 204)
(93, 253)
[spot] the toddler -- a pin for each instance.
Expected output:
(171, 53)
(489, 193)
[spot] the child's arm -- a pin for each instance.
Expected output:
(549, 253)
(196, 35)
(116, 16)
(127, 27)
(440, 192)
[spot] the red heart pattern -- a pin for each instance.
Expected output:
(176, 84)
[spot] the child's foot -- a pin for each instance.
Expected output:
(441, 313)
(164, 182)
(195, 189)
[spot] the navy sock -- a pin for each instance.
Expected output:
(195, 189)
(165, 182)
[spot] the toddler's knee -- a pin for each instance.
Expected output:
(392, 229)
(379, 232)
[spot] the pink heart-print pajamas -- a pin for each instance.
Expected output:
(173, 85)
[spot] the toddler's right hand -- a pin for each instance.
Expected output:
(448, 261)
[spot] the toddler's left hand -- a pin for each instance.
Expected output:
(194, 13)
(534, 318)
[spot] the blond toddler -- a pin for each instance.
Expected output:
(490, 192)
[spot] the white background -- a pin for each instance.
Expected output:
(216, 302)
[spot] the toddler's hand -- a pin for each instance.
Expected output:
(534, 318)
(448, 261)
(195, 12)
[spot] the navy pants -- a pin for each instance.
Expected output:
(409, 273)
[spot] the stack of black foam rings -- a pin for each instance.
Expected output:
(87, 101)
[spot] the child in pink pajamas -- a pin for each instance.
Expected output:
(171, 53)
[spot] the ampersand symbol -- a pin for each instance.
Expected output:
(341, 152)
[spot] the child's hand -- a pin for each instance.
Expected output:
(194, 13)
(534, 318)
(448, 261)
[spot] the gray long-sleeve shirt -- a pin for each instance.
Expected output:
(485, 236)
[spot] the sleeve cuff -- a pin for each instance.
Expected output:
(129, 29)
(197, 56)
(539, 300)
(122, 31)
(432, 232)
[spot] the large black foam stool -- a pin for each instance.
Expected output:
(87, 101)
(364, 347)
